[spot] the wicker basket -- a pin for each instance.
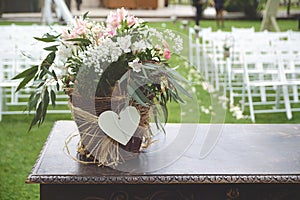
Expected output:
(95, 145)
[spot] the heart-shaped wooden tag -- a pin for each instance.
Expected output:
(120, 127)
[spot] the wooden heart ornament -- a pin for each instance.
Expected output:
(120, 127)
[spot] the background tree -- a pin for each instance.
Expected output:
(251, 8)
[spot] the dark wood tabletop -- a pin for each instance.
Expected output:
(187, 154)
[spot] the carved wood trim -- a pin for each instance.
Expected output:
(164, 179)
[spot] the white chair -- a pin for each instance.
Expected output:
(17, 53)
(264, 71)
(197, 47)
(240, 30)
(215, 59)
(288, 52)
(254, 45)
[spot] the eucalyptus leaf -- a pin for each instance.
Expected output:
(48, 38)
(179, 87)
(54, 75)
(82, 40)
(48, 61)
(25, 81)
(51, 48)
(53, 98)
(138, 92)
(176, 75)
(36, 116)
(32, 103)
(132, 93)
(45, 102)
(27, 72)
(85, 15)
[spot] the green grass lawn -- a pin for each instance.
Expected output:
(20, 149)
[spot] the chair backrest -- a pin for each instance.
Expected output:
(261, 68)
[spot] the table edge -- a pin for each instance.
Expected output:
(33, 178)
(166, 179)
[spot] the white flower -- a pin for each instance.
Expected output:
(140, 46)
(125, 43)
(64, 53)
(135, 65)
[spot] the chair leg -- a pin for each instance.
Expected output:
(250, 104)
(1, 103)
(205, 61)
(287, 101)
(263, 94)
(191, 51)
(243, 98)
(217, 77)
(198, 55)
(295, 92)
(277, 97)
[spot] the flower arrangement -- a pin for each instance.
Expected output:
(107, 66)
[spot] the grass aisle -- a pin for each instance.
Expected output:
(19, 152)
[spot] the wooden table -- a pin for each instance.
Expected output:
(248, 161)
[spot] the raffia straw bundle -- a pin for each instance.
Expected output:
(95, 145)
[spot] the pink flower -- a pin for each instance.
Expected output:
(110, 32)
(66, 35)
(167, 54)
(112, 20)
(80, 30)
(80, 27)
(131, 20)
(121, 13)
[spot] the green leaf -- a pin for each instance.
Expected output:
(41, 83)
(138, 92)
(54, 75)
(47, 71)
(27, 72)
(44, 39)
(176, 75)
(179, 87)
(150, 66)
(82, 40)
(33, 102)
(48, 61)
(36, 116)
(132, 93)
(165, 112)
(51, 48)
(85, 15)
(53, 98)
(155, 113)
(24, 82)
(175, 97)
(45, 103)
(48, 38)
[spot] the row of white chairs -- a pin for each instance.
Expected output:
(222, 58)
(20, 51)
